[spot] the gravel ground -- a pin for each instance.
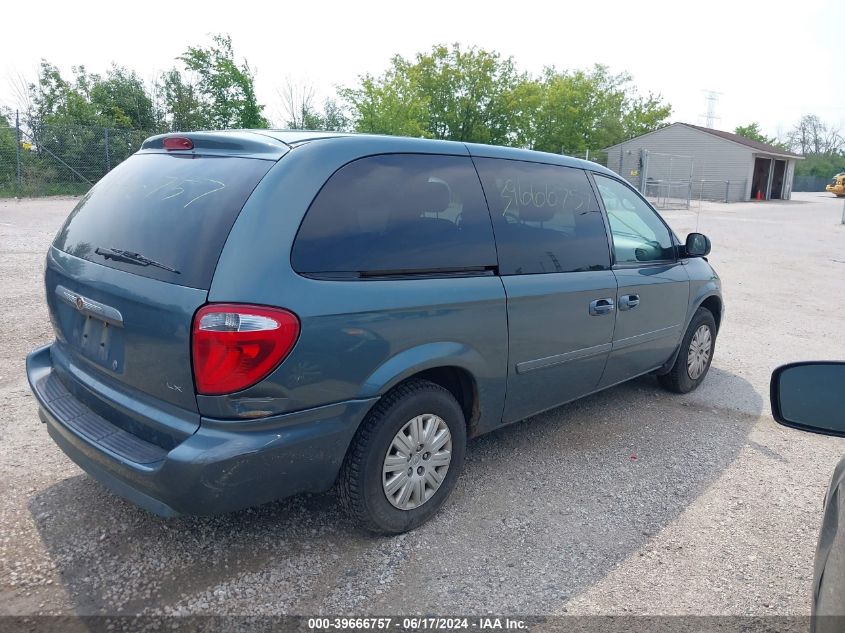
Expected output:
(633, 501)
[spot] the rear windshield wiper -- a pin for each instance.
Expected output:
(129, 257)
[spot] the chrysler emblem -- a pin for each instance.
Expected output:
(90, 307)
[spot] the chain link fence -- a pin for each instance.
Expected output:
(668, 194)
(719, 190)
(677, 194)
(666, 179)
(810, 183)
(594, 155)
(61, 159)
(9, 163)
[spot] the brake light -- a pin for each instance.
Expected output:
(235, 346)
(177, 142)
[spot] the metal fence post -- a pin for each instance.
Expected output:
(727, 191)
(18, 149)
(108, 158)
(643, 170)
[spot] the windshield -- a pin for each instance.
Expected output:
(172, 212)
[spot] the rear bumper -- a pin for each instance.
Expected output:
(224, 466)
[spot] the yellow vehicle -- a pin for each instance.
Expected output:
(837, 187)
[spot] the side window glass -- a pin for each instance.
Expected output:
(397, 213)
(546, 217)
(639, 235)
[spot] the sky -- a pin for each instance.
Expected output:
(771, 61)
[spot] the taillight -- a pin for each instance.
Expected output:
(177, 142)
(235, 346)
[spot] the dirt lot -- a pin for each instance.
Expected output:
(718, 513)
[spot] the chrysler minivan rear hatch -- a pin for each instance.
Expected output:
(128, 270)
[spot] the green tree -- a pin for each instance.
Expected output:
(122, 100)
(66, 129)
(824, 166)
(8, 140)
(180, 104)
(476, 95)
(578, 110)
(57, 100)
(447, 93)
(334, 117)
(592, 109)
(644, 114)
(467, 93)
(524, 102)
(389, 104)
(752, 131)
(224, 89)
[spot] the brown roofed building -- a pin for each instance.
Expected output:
(712, 164)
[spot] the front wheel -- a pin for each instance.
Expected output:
(405, 458)
(696, 354)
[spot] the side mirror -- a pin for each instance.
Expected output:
(810, 396)
(697, 245)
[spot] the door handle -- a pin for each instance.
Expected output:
(602, 306)
(629, 302)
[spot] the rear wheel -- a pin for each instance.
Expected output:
(405, 459)
(696, 354)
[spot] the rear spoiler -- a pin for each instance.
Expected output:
(238, 143)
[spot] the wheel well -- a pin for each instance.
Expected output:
(461, 384)
(714, 304)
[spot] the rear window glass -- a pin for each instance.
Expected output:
(175, 211)
(411, 213)
(546, 217)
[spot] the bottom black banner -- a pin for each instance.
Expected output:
(460, 623)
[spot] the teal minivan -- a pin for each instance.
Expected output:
(246, 315)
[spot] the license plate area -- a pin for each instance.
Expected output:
(93, 329)
(95, 341)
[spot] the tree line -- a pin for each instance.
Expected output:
(448, 92)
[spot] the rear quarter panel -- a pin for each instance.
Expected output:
(358, 338)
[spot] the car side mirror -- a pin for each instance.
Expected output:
(810, 396)
(697, 245)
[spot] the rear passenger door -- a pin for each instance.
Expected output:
(396, 273)
(653, 285)
(554, 262)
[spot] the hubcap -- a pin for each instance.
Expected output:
(698, 355)
(417, 461)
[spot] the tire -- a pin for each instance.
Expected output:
(364, 478)
(680, 378)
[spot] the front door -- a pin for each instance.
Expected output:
(554, 262)
(653, 285)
